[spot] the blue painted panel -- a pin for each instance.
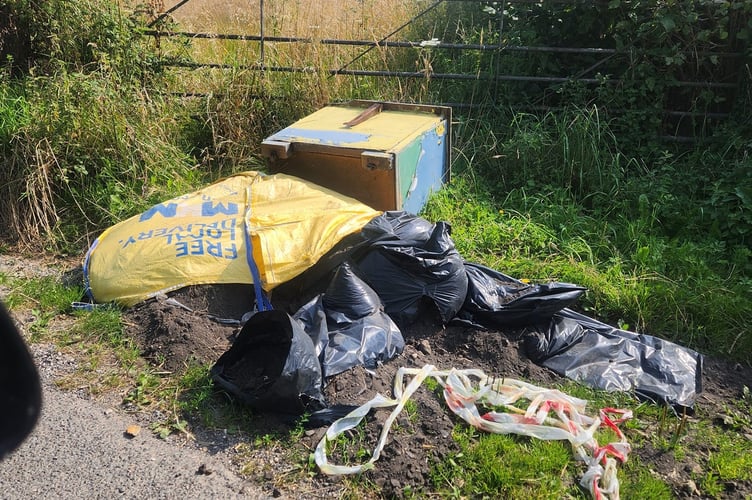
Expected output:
(329, 137)
(430, 171)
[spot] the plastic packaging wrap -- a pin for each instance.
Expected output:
(550, 415)
(410, 260)
(601, 356)
(497, 300)
(272, 365)
(397, 228)
(348, 325)
(281, 224)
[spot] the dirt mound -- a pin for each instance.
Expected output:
(200, 323)
(193, 324)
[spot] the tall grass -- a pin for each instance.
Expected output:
(86, 152)
(555, 198)
(297, 18)
(368, 20)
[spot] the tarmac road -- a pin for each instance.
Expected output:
(79, 449)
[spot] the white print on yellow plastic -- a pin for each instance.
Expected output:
(200, 238)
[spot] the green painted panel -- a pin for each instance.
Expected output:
(407, 160)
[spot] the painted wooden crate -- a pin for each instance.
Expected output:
(390, 156)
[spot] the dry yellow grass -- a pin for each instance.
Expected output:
(355, 19)
(370, 20)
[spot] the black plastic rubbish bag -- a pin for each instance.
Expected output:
(397, 228)
(604, 357)
(409, 260)
(272, 365)
(348, 325)
(294, 293)
(495, 300)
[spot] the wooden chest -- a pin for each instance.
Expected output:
(390, 156)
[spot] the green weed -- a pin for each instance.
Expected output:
(732, 459)
(351, 447)
(144, 391)
(727, 461)
(411, 411)
(44, 297)
(493, 465)
(44, 293)
(196, 397)
(637, 481)
(711, 485)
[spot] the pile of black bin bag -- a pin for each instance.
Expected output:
(385, 276)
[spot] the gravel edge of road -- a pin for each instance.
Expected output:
(80, 449)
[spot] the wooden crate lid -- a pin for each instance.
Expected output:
(383, 130)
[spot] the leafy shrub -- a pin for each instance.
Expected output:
(643, 64)
(86, 35)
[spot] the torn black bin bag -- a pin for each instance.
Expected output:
(272, 365)
(394, 227)
(348, 325)
(604, 357)
(294, 293)
(397, 228)
(411, 259)
(495, 300)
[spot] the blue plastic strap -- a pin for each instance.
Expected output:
(87, 261)
(262, 302)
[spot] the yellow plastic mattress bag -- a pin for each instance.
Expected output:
(204, 237)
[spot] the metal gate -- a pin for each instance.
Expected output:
(588, 66)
